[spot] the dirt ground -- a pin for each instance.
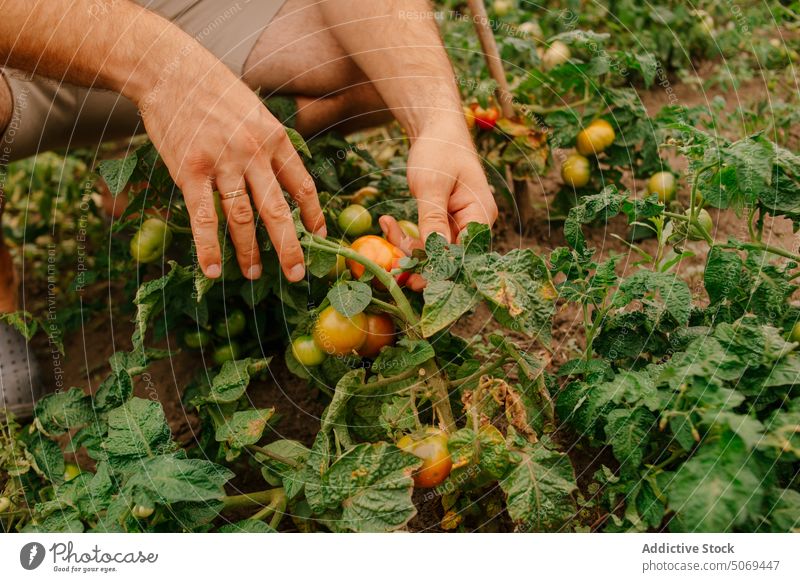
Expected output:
(299, 407)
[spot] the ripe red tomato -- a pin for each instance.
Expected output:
(380, 251)
(338, 335)
(487, 118)
(431, 447)
(380, 333)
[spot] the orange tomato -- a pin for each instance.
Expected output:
(380, 333)
(380, 251)
(487, 118)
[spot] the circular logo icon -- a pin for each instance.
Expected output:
(31, 555)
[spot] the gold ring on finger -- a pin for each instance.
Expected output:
(234, 194)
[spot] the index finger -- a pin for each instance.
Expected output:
(199, 197)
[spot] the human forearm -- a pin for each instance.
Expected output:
(397, 45)
(113, 44)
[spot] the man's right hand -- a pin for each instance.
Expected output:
(213, 132)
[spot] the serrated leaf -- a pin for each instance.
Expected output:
(445, 302)
(233, 378)
(539, 489)
(350, 297)
(717, 490)
(627, 432)
(247, 526)
(117, 173)
(168, 479)
(138, 428)
(61, 411)
(405, 355)
(244, 427)
(372, 484)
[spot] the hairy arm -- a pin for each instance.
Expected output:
(397, 45)
(210, 128)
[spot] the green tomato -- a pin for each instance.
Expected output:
(5, 503)
(151, 241)
(306, 351)
(231, 326)
(705, 220)
(409, 229)
(576, 171)
(227, 353)
(502, 7)
(355, 220)
(662, 184)
(794, 335)
(197, 339)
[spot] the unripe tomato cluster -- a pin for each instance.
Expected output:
(363, 334)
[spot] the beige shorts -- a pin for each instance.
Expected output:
(49, 115)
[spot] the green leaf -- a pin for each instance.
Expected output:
(117, 173)
(58, 412)
(628, 432)
(350, 297)
(291, 476)
(372, 484)
(405, 355)
(723, 275)
(297, 141)
(783, 513)
(152, 296)
(168, 479)
(138, 428)
(718, 489)
(476, 239)
(244, 427)
(445, 302)
(22, 321)
(232, 380)
(539, 489)
(320, 263)
(511, 284)
(479, 457)
(673, 293)
(749, 429)
(49, 458)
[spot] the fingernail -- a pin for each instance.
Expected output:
(254, 272)
(296, 273)
(213, 271)
(322, 231)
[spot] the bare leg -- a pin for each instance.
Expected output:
(8, 275)
(297, 55)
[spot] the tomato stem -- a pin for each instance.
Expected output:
(250, 499)
(274, 456)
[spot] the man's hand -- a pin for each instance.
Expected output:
(446, 178)
(214, 131)
(397, 46)
(211, 130)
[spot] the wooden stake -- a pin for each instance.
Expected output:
(492, 55)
